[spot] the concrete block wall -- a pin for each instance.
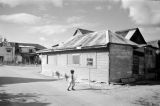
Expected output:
(121, 61)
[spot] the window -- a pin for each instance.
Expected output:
(30, 51)
(76, 59)
(89, 61)
(8, 49)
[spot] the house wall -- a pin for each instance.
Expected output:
(8, 56)
(121, 61)
(146, 63)
(95, 63)
(150, 62)
(27, 49)
(141, 65)
(150, 58)
(138, 63)
(18, 59)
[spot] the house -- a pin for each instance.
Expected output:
(102, 56)
(144, 62)
(156, 44)
(13, 52)
(144, 56)
(7, 52)
(26, 52)
(133, 34)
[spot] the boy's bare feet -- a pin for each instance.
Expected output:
(68, 89)
(73, 89)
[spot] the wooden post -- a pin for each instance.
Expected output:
(89, 77)
(89, 64)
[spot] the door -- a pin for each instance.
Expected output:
(1, 59)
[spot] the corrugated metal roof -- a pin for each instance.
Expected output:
(101, 38)
(155, 43)
(82, 31)
(127, 33)
(37, 46)
(26, 46)
(130, 34)
(133, 34)
(44, 51)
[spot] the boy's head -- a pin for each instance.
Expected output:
(72, 71)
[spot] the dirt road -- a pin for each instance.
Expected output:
(24, 86)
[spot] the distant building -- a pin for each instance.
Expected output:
(26, 52)
(13, 52)
(7, 51)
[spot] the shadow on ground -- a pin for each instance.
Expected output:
(150, 83)
(20, 99)
(152, 100)
(15, 80)
(92, 89)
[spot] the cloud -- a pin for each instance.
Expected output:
(14, 3)
(98, 8)
(74, 19)
(143, 12)
(42, 39)
(49, 29)
(150, 33)
(78, 21)
(101, 8)
(109, 7)
(20, 18)
(56, 29)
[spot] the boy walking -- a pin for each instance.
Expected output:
(71, 81)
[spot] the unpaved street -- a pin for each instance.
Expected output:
(24, 86)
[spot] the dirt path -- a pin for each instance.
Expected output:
(24, 86)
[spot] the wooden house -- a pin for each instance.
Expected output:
(144, 62)
(156, 44)
(144, 56)
(26, 52)
(102, 56)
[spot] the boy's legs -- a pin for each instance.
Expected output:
(69, 86)
(73, 84)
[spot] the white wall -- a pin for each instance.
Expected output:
(8, 56)
(61, 62)
(27, 49)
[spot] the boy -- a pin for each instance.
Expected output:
(71, 81)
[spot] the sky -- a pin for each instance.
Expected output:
(48, 22)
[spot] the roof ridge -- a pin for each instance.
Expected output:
(121, 38)
(127, 30)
